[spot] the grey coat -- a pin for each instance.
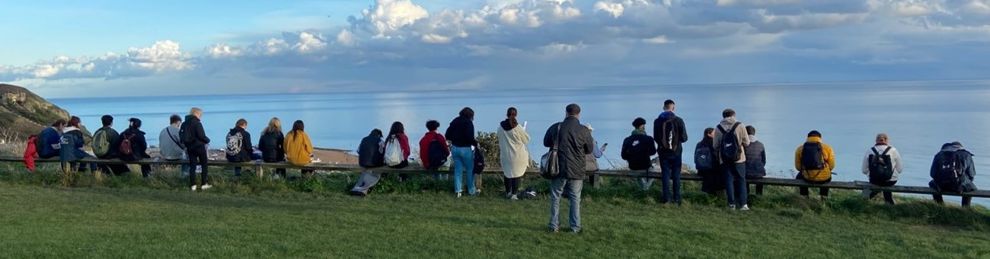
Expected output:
(575, 143)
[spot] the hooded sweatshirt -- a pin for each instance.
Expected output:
(637, 150)
(246, 146)
(678, 128)
(424, 147)
(756, 159)
(895, 160)
(969, 171)
(461, 132)
(72, 144)
(742, 137)
(194, 128)
(514, 156)
(139, 145)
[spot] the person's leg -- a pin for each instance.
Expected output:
(742, 197)
(665, 175)
(203, 159)
(730, 188)
(823, 192)
(556, 190)
(515, 185)
(888, 197)
(237, 171)
(508, 186)
(759, 189)
(146, 170)
(873, 194)
(193, 161)
(802, 190)
(469, 171)
(280, 172)
(458, 169)
(675, 169)
(966, 200)
(938, 198)
(574, 195)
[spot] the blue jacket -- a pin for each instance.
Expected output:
(49, 143)
(72, 143)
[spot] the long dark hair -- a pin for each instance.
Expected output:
(467, 113)
(396, 129)
(297, 127)
(74, 121)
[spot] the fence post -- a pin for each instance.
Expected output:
(259, 169)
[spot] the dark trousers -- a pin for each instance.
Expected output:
(198, 156)
(735, 184)
(404, 164)
(888, 197)
(966, 200)
(823, 191)
(759, 186)
(145, 171)
(670, 170)
(712, 181)
(512, 185)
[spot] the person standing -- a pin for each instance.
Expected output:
(637, 149)
(461, 136)
(195, 140)
(134, 146)
(573, 142)
(272, 145)
(514, 156)
(882, 164)
(170, 144)
(814, 161)
(298, 147)
(953, 171)
(756, 160)
(730, 142)
(433, 149)
(670, 134)
(239, 147)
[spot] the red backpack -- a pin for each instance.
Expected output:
(125, 146)
(31, 152)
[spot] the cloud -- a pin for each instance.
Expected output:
(388, 16)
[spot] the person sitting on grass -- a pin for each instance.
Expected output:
(953, 171)
(814, 161)
(371, 155)
(882, 163)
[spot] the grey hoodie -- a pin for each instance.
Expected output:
(741, 136)
(966, 183)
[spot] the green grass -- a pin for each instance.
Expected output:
(250, 217)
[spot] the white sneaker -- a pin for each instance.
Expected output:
(745, 208)
(514, 197)
(458, 195)
(205, 187)
(194, 188)
(732, 207)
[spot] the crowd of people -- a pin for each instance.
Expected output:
(726, 157)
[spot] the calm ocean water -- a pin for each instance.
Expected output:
(919, 116)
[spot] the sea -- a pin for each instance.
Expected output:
(918, 116)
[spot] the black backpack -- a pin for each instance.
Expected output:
(704, 159)
(812, 156)
(949, 170)
(729, 144)
(669, 138)
(881, 166)
(186, 134)
(437, 153)
(479, 161)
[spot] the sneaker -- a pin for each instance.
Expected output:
(745, 208)
(553, 230)
(514, 197)
(194, 188)
(205, 187)
(732, 207)
(458, 195)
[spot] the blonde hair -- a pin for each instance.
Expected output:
(274, 125)
(195, 111)
(882, 138)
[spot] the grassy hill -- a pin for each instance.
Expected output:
(24, 113)
(250, 217)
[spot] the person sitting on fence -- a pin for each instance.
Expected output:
(371, 155)
(272, 144)
(814, 161)
(72, 144)
(707, 165)
(756, 159)
(298, 147)
(953, 171)
(882, 164)
(397, 148)
(239, 147)
(106, 141)
(637, 149)
(134, 146)
(433, 149)
(50, 140)
(170, 144)
(514, 156)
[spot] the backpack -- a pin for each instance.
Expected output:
(550, 162)
(949, 170)
(234, 144)
(479, 161)
(669, 138)
(729, 144)
(812, 156)
(703, 158)
(393, 152)
(101, 141)
(186, 134)
(881, 167)
(126, 150)
(31, 152)
(438, 154)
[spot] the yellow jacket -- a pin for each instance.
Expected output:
(814, 175)
(298, 148)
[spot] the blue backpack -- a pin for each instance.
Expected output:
(49, 143)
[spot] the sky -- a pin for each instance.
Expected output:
(124, 48)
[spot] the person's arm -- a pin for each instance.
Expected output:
(682, 130)
(763, 157)
(470, 133)
(970, 168)
(831, 156)
(404, 144)
(201, 134)
(797, 159)
(624, 151)
(898, 164)
(651, 147)
(934, 169)
(247, 143)
(307, 144)
(261, 143)
(142, 146)
(524, 136)
(657, 132)
(743, 135)
(550, 136)
(866, 162)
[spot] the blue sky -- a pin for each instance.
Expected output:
(79, 48)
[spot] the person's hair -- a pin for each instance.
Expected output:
(396, 128)
(467, 112)
(709, 131)
(750, 130)
(882, 138)
(175, 118)
(195, 110)
(432, 125)
(573, 109)
(59, 123)
(135, 123)
(511, 112)
(298, 126)
(814, 133)
(274, 125)
(107, 120)
(668, 104)
(240, 123)
(728, 113)
(376, 133)
(74, 121)
(638, 122)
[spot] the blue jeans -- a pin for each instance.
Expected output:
(463, 165)
(572, 189)
(735, 184)
(670, 168)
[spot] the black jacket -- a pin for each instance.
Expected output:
(246, 147)
(193, 128)
(678, 124)
(114, 142)
(461, 132)
(139, 146)
(756, 160)
(271, 146)
(370, 153)
(575, 143)
(637, 150)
